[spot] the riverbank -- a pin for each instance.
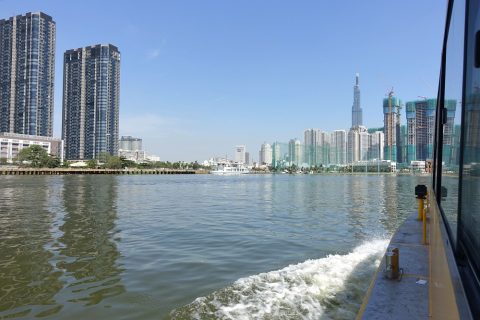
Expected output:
(68, 171)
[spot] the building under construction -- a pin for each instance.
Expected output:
(451, 139)
(420, 129)
(421, 126)
(391, 128)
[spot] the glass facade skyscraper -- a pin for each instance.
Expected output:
(357, 118)
(27, 67)
(91, 99)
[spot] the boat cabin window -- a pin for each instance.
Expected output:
(451, 116)
(457, 165)
(469, 226)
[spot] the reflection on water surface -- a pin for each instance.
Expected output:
(141, 247)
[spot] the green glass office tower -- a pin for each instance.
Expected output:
(27, 67)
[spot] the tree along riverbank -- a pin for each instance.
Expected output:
(68, 171)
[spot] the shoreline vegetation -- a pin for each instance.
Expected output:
(69, 171)
(10, 170)
(34, 160)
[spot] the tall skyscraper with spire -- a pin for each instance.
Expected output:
(356, 110)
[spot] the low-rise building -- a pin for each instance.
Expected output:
(136, 156)
(374, 166)
(418, 165)
(12, 143)
(152, 158)
(131, 149)
(130, 143)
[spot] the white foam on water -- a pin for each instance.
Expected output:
(331, 287)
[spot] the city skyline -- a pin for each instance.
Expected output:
(187, 71)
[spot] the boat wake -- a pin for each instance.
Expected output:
(331, 287)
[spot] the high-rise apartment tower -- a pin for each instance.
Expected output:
(312, 143)
(295, 152)
(27, 67)
(240, 151)
(338, 153)
(91, 99)
(266, 154)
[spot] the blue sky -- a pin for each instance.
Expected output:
(199, 77)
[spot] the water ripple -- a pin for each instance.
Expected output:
(129, 247)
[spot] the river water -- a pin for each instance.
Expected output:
(195, 246)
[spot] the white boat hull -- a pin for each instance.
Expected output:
(228, 173)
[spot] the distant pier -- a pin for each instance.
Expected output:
(67, 171)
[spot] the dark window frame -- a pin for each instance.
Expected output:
(470, 279)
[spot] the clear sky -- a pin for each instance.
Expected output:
(199, 77)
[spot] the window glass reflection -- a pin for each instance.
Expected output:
(469, 227)
(452, 104)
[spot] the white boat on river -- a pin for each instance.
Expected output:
(230, 169)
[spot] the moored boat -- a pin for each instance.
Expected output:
(230, 169)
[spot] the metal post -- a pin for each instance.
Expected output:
(420, 208)
(392, 265)
(424, 216)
